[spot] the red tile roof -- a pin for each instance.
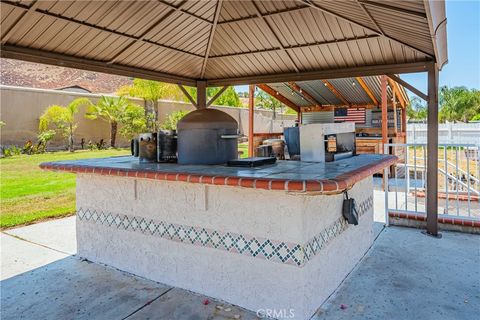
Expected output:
(34, 75)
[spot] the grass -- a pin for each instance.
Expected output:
(28, 193)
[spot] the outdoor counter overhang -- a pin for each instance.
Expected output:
(269, 237)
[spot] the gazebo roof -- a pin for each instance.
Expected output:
(228, 42)
(356, 91)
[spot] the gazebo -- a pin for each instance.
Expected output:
(283, 236)
(222, 43)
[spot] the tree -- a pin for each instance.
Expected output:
(228, 98)
(172, 120)
(112, 110)
(62, 119)
(265, 101)
(133, 121)
(151, 91)
(458, 104)
(417, 109)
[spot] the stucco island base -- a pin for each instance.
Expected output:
(259, 249)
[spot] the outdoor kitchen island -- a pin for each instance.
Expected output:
(265, 238)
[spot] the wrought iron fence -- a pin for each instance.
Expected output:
(458, 179)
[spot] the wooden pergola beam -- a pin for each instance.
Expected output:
(279, 97)
(395, 92)
(336, 92)
(295, 87)
(408, 86)
(367, 90)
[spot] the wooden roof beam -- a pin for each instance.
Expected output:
(279, 97)
(335, 92)
(396, 92)
(295, 87)
(408, 86)
(367, 90)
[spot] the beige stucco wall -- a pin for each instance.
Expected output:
(21, 108)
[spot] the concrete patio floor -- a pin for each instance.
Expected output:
(405, 275)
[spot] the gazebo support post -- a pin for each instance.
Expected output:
(432, 148)
(201, 94)
(384, 110)
(251, 111)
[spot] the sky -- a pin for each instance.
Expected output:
(463, 43)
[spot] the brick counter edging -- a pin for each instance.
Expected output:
(324, 186)
(467, 222)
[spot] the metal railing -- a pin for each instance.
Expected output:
(458, 179)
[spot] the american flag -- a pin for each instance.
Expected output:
(356, 115)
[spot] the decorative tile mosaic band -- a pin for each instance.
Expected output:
(272, 250)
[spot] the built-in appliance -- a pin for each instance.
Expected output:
(155, 147)
(207, 136)
(325, 142)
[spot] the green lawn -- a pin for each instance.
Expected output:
(28, 193)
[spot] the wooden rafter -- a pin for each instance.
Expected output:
(295, 87)
(272, 31)
(279, 97)
(367, 90)
(335, 92)
(395, 91)
(210, 38)
(408, 86)
(322, 43)
(95, 27)
(354, 22)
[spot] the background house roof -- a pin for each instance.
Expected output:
(227, 42)
(34, 75)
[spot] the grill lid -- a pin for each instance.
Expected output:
(207, 119)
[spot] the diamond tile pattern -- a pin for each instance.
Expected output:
(283, 252)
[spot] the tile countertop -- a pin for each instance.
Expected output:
(292, 176)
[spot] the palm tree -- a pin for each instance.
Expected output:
(62, 119)
(110, 109)
(151, 91)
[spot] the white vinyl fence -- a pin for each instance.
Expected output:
(448, 133)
